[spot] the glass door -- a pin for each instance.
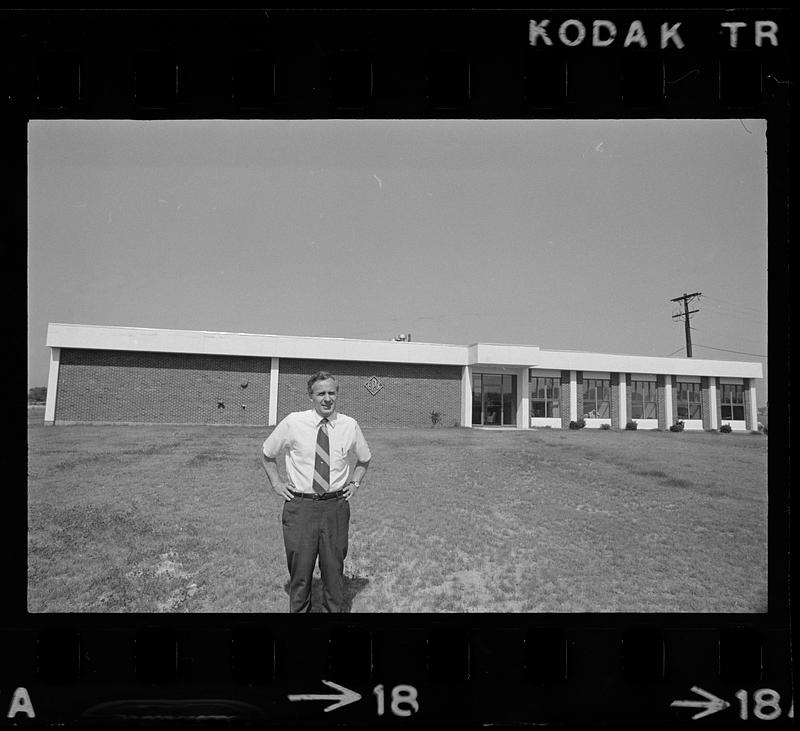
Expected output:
(509, 400)
(494, 399)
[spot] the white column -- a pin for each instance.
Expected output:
(466, 396)
(52, 387)
(668, 400)
(524, 400)
(623, 400)
(273, 392)
(573, 396)
(712, 401)
(753, 425)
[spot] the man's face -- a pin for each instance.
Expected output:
(323, 397)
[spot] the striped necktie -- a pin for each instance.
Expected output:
(322, 462)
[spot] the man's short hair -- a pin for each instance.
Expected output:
(321, 376)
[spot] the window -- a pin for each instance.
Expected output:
(477, 403)
(732, 402)
(644, 400)
(544, 397)
(509, 400)
(596, 398)
(494, 399)
(690, 405)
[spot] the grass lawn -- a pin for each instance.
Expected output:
(180, 518)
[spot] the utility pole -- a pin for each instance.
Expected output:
(686, 312)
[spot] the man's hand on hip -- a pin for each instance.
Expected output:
(349, 490)
(283, 489)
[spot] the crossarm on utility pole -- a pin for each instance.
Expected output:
(686, 312)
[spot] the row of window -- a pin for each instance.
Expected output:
(545, 392)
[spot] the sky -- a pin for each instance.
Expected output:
(564, 234)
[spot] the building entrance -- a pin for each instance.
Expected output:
(494, 399)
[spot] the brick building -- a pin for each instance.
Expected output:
(102, 374)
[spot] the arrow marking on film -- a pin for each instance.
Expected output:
(711, 705)
(343, 698)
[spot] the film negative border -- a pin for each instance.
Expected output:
(411, 64)
(458, 670)
(518, 673)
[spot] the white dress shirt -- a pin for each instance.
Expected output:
(297, 433)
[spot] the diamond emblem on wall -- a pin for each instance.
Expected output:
(373, 385)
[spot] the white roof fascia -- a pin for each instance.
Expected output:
(567, 360)
(104, 337)
(99, 337)
(573, 360)
(498, 354)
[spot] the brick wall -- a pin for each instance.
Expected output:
(614, 405)
(674, 382)
(564, 400)
(628, 398)
(705, 398)
(579, 394)
(748, 412)
(409, 394)
(661, 395)
(122, 386)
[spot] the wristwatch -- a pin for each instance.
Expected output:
(353, 482)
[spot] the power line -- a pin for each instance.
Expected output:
(738, 352)
(749, 317)
(735, 305)
(729, 310)
(739, 337)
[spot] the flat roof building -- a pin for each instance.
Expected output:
(107, 374)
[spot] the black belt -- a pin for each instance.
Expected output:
(314, 496)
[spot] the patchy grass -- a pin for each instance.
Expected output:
(158, 518)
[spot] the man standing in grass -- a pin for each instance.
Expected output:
(317, 490)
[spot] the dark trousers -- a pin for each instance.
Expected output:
(314, 528)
